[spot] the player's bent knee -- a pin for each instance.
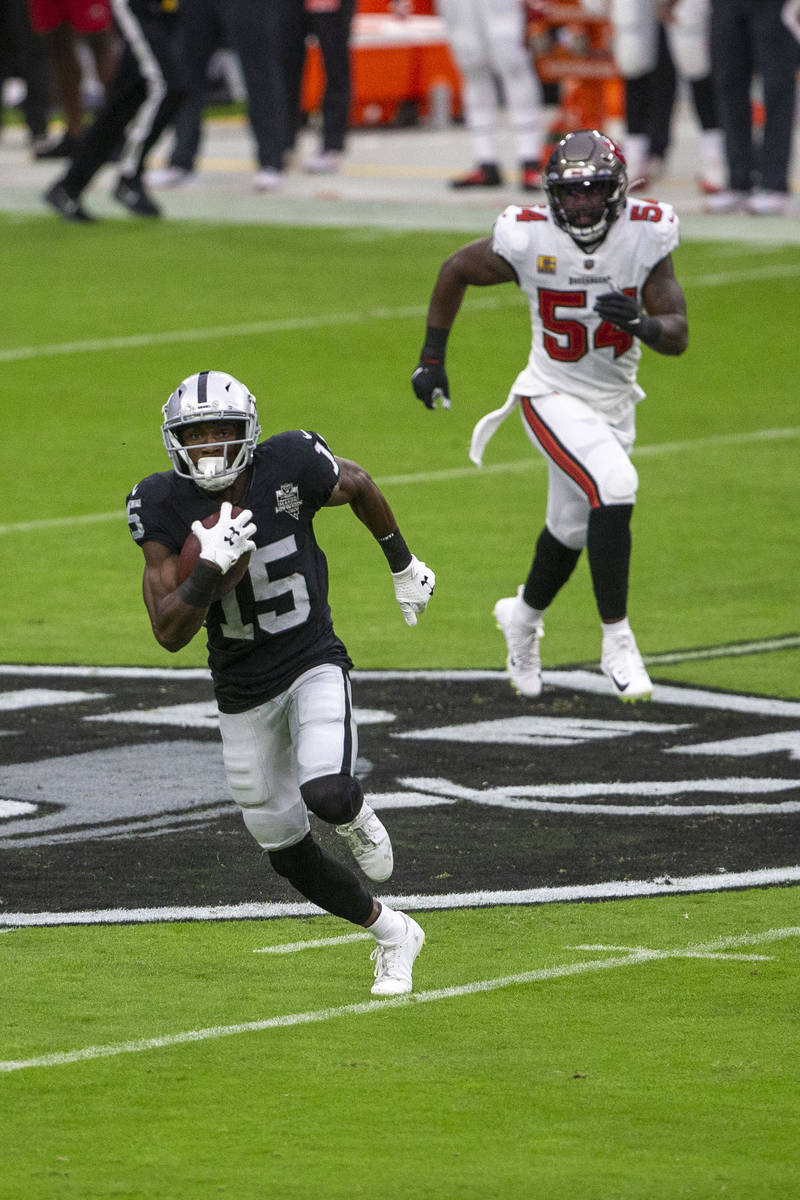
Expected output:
(621, 484)
(569, 526)
(334, 798)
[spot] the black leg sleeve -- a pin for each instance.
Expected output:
(553, 563)
(609, 547)
(323, 880)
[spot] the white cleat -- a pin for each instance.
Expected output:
(721, 203)
(524, 663)
(268, 180)
(394, 963)
(327, 162)
(621, 661)
(369, 844)
(768, 204)
(167, 177)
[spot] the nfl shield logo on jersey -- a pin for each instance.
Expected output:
(288, 500)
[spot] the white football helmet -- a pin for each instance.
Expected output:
(211, 396)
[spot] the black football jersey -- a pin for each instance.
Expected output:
(276, 624)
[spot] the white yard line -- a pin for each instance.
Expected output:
(539, 975)
(271, 325)
(727, 650)
(421, 478)
(615, 889)
(331, 320)
(317, 944)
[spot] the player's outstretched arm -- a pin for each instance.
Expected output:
(413, 580)
(475, 264)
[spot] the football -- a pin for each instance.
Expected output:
(190, 552)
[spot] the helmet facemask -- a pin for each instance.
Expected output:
(213, 472)
(586, 182)
(211, 397)
(583, 209)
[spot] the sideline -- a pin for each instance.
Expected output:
(789, 641)
(634, 957)
(625, 889)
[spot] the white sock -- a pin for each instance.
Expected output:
(527, 616)
(612, 628)
(389, 928)
(636, 147)
(712, 153)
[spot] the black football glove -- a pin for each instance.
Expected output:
(624, 312)
(429, 382)
(429, 379)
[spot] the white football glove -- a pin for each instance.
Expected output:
(225, 543)
(413, 588)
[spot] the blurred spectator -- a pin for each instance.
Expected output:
(488, 40)
(22, 57)
(141, 100)
(649, 103)
(651, 40)
(60, 23)
(749, 38)
(256, 31)
(330, 22)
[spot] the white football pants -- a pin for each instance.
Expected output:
(487, 38)
(269, 751)
(635, 37)
(588, 461)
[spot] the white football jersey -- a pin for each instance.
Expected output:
(573, 350)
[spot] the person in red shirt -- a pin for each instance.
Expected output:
(61, 23)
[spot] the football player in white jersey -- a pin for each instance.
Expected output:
(597, 269)
(280, 673)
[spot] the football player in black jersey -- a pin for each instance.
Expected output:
(280, 672)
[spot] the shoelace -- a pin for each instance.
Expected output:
(524, 649)
(383, 957)
(363, 836)
(366, 833)
(622, 655)
(619, 646)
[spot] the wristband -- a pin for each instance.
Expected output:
(199, 589)
(397, 552)
(435, 342)
(650, 330)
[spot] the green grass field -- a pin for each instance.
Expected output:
(599, 1073)
(331, 346)
(664, 1079)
